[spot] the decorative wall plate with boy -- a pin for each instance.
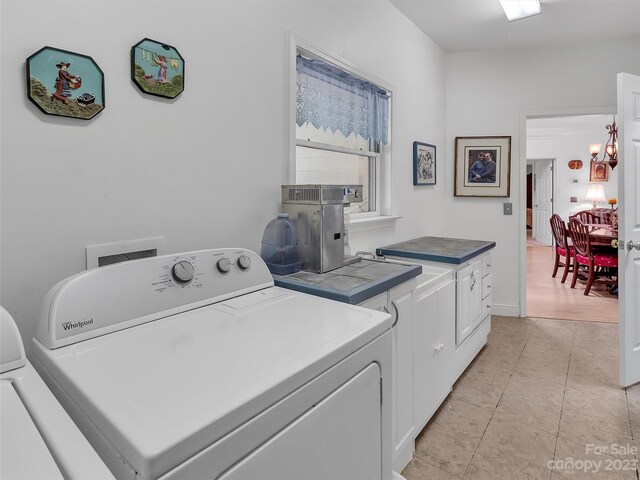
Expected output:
(64, 83)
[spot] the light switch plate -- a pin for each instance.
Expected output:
(507, 208)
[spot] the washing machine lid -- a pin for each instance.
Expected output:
(24, 453)
(12, 354)
(162, 391)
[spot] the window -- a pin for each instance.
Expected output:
(342, 128)
(329, 162)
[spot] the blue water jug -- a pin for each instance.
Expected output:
(280, 250)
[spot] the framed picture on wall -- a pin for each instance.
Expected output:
(157, 69)
(482, 166)
(424, 164)
(599, 172)
(64, 83)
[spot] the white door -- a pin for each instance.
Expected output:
(629, 226)
(542, 200)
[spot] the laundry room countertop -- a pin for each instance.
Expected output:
(353, 283)
(438, 249)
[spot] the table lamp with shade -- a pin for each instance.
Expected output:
(595, 194)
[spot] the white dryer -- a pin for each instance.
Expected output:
(39, 440)
(196, 366)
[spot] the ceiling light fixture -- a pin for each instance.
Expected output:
(517, 9)
(610, 149)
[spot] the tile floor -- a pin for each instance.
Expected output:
(540, 401)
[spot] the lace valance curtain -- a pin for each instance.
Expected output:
(328, 97)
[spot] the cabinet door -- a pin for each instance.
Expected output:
(469, 300)
(434, 347)
(425, 350)
(446, 337)
(402, 308)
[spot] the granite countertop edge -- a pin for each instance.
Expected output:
(355, 295)
(435, 257)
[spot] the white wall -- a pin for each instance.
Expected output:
(205, 169)
(489, 93)
(568, 144)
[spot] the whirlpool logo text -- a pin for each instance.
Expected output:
(74, 325)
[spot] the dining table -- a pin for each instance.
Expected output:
(602, 234)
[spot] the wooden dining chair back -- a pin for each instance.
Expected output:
(587, 217)
(579, 234)
(587, 261)
(606, 215)
(563, 252)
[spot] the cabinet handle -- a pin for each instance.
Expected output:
(439, 347)
(473, 281)
(488, 286)
(397, 314)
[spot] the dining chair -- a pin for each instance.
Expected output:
(590, 263)
(586, 216)
(563, 252)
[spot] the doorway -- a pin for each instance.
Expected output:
(552, 143)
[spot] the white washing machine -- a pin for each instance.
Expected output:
(39, 440)
(196, 366)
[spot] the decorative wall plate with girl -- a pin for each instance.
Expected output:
(157, 68)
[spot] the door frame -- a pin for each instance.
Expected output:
(533, 186)
(522, 199)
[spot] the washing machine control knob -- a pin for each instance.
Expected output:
(244, 262)
(183, 271)
(224, 265)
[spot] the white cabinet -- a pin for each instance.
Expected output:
(469, 300)
(474, 296)
(434, 346)
(473, 318)
(441, 321)
(471, 322)
(400, 303)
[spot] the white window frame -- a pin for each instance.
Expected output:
(381, 185)
(374, 168)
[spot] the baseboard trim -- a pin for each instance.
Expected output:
(505, 309)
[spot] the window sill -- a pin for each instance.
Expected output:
(371, 223)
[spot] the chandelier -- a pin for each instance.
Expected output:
(610, 154)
